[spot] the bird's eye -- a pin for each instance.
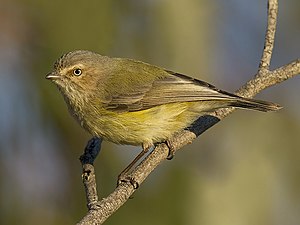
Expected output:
(77, 72)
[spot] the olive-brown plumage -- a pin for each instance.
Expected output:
(131, 102)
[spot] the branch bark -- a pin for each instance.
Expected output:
(100, 211)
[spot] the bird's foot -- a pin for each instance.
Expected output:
(124, 178)
(171, 150)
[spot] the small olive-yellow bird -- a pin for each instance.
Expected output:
(131, 102)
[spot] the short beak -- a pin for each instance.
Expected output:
(52, 76)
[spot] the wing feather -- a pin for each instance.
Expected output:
(170, 88)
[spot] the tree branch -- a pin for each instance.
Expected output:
(100, 211)
(270, 36)
(88, 172)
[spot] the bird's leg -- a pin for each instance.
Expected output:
(123, 175)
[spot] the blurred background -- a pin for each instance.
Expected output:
(245, 170)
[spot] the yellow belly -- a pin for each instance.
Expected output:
(147, 126)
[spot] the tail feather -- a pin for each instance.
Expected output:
(255, 104)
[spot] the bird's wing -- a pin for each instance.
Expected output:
(181, 88)
(170, 88)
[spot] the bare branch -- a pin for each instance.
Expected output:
(107, 206)
(264, 78)
(88, 172)
(270, 35)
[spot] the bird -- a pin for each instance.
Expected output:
(131, 102)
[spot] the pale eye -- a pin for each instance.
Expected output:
(77, 72)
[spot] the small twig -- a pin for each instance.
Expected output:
(88, 172)
(270, 35)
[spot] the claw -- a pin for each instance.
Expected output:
(128, 179)
(171, 150)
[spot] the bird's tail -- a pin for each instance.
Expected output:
(254, 104)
